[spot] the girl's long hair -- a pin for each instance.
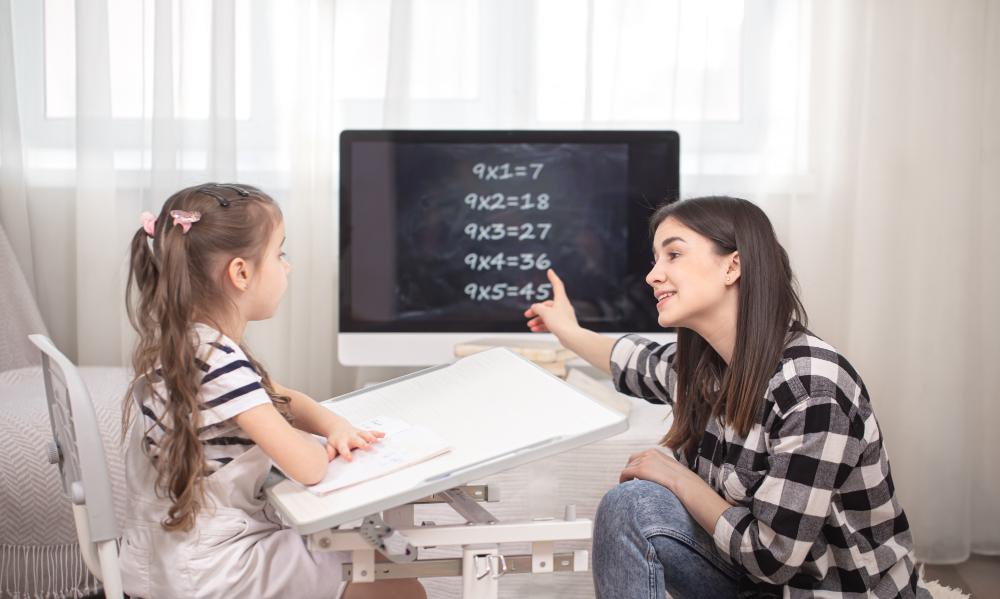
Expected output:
(768, 310)
(177, 280)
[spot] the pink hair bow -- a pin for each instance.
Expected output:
(185, 219)
(148, 223)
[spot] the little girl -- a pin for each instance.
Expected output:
(208, 420)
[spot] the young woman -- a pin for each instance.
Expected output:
(208, 419)
(778, 482)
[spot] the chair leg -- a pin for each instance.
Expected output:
(108, 553)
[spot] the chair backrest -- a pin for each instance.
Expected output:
(83, 466)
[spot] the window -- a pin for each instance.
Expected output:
(132, 32)
(648, 61)
(730, 76)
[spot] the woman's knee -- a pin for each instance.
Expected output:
(638, 503)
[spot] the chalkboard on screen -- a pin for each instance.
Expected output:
(454, 231)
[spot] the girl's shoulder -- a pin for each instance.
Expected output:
(812, 368)
(215, 348)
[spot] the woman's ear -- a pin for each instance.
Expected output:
(733, 268)
(238, 273)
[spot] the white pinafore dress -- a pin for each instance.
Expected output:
(238, 547)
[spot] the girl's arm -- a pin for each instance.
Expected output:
(297, 453)
(558, 317)
(341, 435)
(309, 416)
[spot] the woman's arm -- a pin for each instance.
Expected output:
(700, 500)
(638, 366)
(558, 317)
(811, 451)
(341, 435)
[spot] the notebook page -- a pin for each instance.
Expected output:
(403, 448)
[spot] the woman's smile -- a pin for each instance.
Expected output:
(663, 296)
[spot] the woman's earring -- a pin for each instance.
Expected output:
(727, 278)
(245, 286)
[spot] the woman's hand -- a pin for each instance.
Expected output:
(555, 315)
(558, 317)
(700, 500)
(343, 437)
(655, 466)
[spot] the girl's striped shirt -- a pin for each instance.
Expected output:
(229, 385)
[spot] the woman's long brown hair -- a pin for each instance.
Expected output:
(767, 310)
(180, 279)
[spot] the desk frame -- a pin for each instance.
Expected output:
(481, 565)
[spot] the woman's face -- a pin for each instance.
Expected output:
(689, 278)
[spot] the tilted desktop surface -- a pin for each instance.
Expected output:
(497, 409)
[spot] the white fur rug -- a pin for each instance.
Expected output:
(942, 592)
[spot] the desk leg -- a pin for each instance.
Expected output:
(364, 565)
(541, 557)
(478, 588)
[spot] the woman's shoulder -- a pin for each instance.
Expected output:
(812, 368)
(634, 341)
(629, 350)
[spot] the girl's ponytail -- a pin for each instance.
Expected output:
(140, 288)
(181, 453)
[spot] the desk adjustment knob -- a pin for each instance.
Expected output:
(53, 452)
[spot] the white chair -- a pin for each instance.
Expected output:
(83, 466)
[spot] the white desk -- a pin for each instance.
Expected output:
(539, 489)
(497, 409)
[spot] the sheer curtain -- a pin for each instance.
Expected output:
(868, 132)
(108, 106)
(895, 249)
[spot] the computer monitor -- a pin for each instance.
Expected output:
(445, 236)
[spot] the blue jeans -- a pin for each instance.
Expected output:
(646, 542)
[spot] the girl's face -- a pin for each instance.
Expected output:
(266, 289)
(689, 278)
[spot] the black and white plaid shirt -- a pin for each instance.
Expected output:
(814, 508)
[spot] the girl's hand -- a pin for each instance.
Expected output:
(655, 466)
(555, 315)
(341, 439)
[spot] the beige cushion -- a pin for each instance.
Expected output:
(39, 553)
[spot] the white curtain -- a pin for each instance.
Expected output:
(897, 247)
(867, 130)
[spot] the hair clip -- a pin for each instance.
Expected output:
(148, 220)
(221, 199)
(238, 190)
(184, 219)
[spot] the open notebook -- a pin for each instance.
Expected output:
(402, 446)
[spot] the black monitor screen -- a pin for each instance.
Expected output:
(453, 230)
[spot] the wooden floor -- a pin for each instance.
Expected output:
(979, 576)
